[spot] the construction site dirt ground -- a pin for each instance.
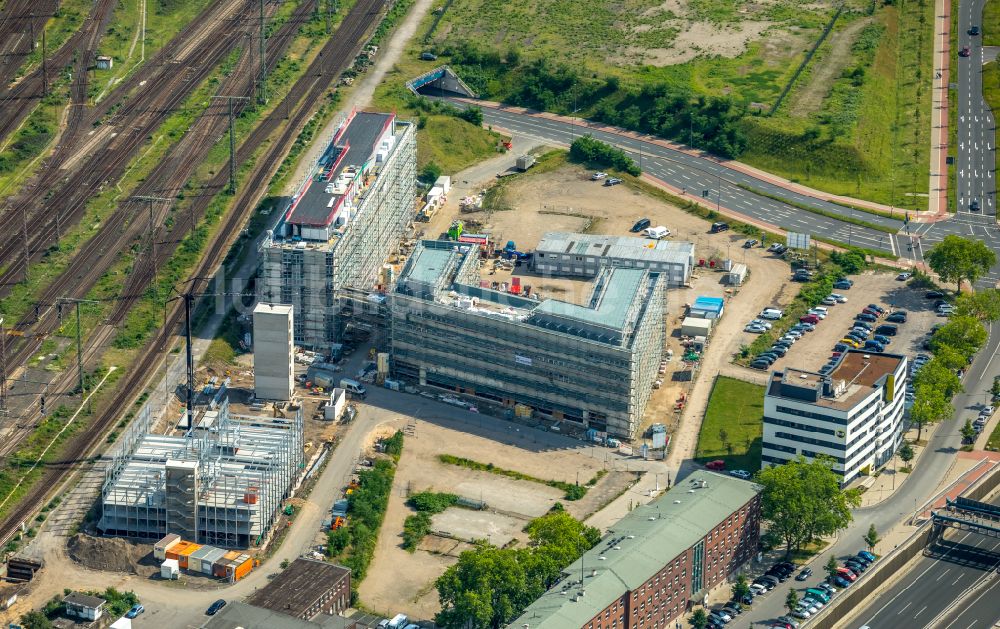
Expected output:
(399, 581)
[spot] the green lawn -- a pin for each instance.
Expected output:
(991, 23)
(991, 86)
(737, 408)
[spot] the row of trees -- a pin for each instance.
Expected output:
(668, 110)
(491, 586)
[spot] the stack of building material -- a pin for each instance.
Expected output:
(22, 568)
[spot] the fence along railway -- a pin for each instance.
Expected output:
(335, 57)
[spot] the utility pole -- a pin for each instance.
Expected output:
(79, 337)
(31, 25)
(24, 235)
(232, 141)
(262, 60)
(3, 370)
(151, 227)
(45, 67)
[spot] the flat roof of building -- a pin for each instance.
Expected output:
(299, 586)
(354, 147)
(240, 615)
(265, 308)
(851, 381)
(637, 547)
(427, 265)
(610, 304)
(622, 247)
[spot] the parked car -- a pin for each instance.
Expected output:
(897, 317)
(789, 621)
(933, 294)
(887, 330)
(428, 56)
(745, 475)
(874, 346)
(847, 573)
(780, 350)
(843, 284)
(871, 311)
(840, 348)
(902, 277)
(640, 224)
(766, 324)
(864, 316)
(867, 555)
(755, 329)
(809, 318)
(719, 227)
(135, 611)
(750, 244)
(881, 338)
(804, 574)
(841, 582)
(771, 313)
(856, 565)
(826, 587)
(597, 177)
(614, 181)
(851, 342)
(840, 298)
(877, 308)
(718, 465)
(215, 607)
(829, 301)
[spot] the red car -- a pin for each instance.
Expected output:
(717, 465)
(813, 319)
(847, 574)
(964, 52)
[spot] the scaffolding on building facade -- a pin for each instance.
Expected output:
(226, 484)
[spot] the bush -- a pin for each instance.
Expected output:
(431, 502)
(414, 529)
(394, 445)
(587, 150)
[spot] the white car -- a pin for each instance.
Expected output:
(840, 298)
(819, 313)
(766, 324)
(598, 176)
(745, 475)
(771, 313)
(757, 589)
(829, 301)
(801, 613)
(755, 329)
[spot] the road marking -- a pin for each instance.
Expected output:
(920, 612)
(904, 608)
(942, 574)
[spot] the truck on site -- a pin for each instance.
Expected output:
(353, 387)
(657, 233)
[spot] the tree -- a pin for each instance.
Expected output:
(906, 452)
(792, 600)
(963, 334)
(803, 500)
(486, 589)
(35, 620)
(871, 538)
(430, 173)
(699, 619)
(936, 375)
(741, 588)
(929, 405)
(831, 566)
(983, 305)
(724, 437)
(956, 259)
(995, 389)
(968, 432)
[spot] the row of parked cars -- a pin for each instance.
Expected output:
(807, 323)
(814, 598)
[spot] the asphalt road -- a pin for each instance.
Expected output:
(976, 155)
(937, 581)
(719, 184)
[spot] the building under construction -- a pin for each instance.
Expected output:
(331, 242)
(221, 486)
(591, 364)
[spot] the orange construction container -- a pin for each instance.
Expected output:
(243, 569)
(221, 568)
(184, 553)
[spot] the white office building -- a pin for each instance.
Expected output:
(853, 415)
(273, 352)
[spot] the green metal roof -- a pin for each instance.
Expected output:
(610, 304)
(637, 547)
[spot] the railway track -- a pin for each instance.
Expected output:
(337, 55)
(19, 99)
(113, 141)
(18, 20)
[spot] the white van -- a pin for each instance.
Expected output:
(353, 387)
(657, 233)
(771, 313)
(398, 622)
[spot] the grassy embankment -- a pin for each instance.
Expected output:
(733, 426)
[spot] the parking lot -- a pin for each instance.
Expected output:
(815, 348)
